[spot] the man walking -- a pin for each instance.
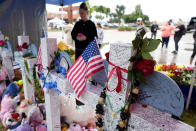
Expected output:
(154, 29)
(179, 32)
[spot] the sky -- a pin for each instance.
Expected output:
(160, 10)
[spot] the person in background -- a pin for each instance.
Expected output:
(166, 32)
(100, 34)
(194, 50)
(154, 29)
(84, 31)
(179, 32)
(140, 26)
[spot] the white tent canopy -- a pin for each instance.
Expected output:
(56, 21)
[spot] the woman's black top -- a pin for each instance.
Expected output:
(88, 29)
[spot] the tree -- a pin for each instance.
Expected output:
(91, 9)
(102, 9)
(127, 18)
(137, 13)
(120, 10)
(100, 17)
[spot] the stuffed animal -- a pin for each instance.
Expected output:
(24, 107)
(24, 126)
(12, 90)
(20, 83)
(41, 127)
(7, 105)
(35, 119)
(74, 127)
(83, 115)
(11, 120)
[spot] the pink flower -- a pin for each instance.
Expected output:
(2, 43)
(190, 68)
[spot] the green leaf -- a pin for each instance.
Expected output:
(136, 43)
(150, 45)
(142, 33)
(146, 55)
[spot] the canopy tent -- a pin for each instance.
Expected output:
(29, 16)
(56, 20)
(63, 2)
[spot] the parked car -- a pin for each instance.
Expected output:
(192, 24)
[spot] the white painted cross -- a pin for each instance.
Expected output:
(48, 47)
(7, 57)
(28, 88)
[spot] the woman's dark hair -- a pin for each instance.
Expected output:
(99, 25)
(169, 22)
(83, 6)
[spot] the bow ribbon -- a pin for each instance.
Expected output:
(119, 75)
(61, 69)
(24, 46)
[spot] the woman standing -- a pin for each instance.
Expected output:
(83, 32)
(166, 32)
(194, 49)
(100, 34)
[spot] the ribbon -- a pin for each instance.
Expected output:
(49, 85)
(24, 46)
(61, 70)
(119, 75)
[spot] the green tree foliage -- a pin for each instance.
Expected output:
(100, 17)
(135, 14)
(89, 8)
(120, 10)
(102, 9)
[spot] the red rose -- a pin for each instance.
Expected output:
(25, 45)
(107, 56)
(146, 66)
(19, 48)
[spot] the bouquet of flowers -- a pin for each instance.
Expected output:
(180, 74)
(64, 47)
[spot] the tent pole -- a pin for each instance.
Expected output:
(62, 23)
(191, 88)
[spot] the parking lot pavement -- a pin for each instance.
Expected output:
(161, 55)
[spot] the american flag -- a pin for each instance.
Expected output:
(87, 64)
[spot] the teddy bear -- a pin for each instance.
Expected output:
(68, 109)
(35, 119)
(11, 120)
(24, 107)
(7, 105)
(74, 127)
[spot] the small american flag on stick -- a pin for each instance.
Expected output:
(87, 64)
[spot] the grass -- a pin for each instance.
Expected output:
(189, 117)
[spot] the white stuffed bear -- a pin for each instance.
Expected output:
(83, 115)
